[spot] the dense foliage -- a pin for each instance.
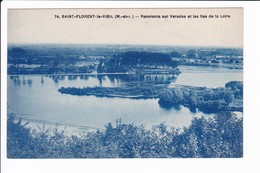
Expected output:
(134, 58)
(124, 62)
(127, 92)
(17, 52)
(217, 137)
(208, 100)
(175, 54)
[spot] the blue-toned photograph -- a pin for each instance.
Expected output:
(125, 83)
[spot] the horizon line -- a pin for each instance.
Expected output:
(127, 44)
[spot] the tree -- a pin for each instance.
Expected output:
(229, 129)
(17, 52)
(191, 53)
(166, 95)
(229, 97)
(100, 66)
(19, 139)
(234, 85)
(56, 63)
(177, 95)
(175, 54)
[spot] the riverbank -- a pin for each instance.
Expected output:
(70, 74)
(216, 65)
(40, 126)
(14, 71)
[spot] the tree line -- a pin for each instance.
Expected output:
(124, 62)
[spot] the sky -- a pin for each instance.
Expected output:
(39, 26)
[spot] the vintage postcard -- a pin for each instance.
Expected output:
(125, 83)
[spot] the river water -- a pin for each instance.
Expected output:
(35, 98)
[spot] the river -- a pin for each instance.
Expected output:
(35, 98)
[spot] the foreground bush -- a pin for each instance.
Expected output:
(217, 137)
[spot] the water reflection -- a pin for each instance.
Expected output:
(171, 107)
(24, 81)
(115, 80)
(29, 82)
(100, 79)
(42, 80)
(72, 77)
(57, 78)
(16, 80)
(136, 80)
(84, 77)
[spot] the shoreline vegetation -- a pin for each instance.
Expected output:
(218, 137)
(207, 100)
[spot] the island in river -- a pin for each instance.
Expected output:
(207, 100)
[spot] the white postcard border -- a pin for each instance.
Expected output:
(251, 86)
